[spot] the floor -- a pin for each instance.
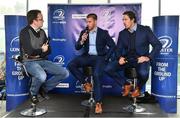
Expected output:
(69, 106)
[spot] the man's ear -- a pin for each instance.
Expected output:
(132, 20)
(96, 22)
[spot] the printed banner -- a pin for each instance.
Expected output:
(65, 23)
(16, 83)
(164, 68)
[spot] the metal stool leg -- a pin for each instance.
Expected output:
(33, 111)
(91, 101)
(134, 108)
(138, 108)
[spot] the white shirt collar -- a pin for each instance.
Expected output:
(35, 29)
(94, 30)
(134, 28)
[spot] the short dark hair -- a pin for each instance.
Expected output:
(131, 15)
(92, 15)
(32, 15)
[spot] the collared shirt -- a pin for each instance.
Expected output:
(92, 42)
(134, 28)
(35, 29)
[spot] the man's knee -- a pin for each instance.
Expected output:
(63, 72)
(41, 77)
(66, 73)
(144, 73)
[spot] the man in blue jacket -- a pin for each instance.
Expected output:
(133, 50)
(94, 41)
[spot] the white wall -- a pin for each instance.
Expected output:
(88, 1)
(171, 7)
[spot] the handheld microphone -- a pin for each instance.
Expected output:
(48, 39)
(87, 30)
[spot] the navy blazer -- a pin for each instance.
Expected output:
(144, 37)
(103, 40)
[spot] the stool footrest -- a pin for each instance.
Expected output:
(33, 111)
(134, 108)
(88, 103)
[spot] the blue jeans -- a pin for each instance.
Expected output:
(38, 70)
(113, 69)
(97, 62)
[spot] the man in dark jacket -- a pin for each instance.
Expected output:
(133, 51)
(94, 41)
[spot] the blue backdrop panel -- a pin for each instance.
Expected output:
(16, 84)
(164, 69)
(65, 23)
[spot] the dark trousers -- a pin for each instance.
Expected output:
(97, 62)
(113, 68)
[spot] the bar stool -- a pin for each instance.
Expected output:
(131, 73)
(88, 71)
(33, 111)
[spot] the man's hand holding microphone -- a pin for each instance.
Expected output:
(45, 46)
(84, 36)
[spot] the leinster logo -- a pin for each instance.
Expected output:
(58, 16)
(166, 44)
(106, 13)
(14, 44)
(59, 59)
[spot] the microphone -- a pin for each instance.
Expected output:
(16, 58)
(87, 30)
(48, 39)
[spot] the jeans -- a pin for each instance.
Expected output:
(38, 70)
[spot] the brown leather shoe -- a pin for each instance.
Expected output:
(127, 89)
(136, 92)
(98, 109)
(87, 87)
